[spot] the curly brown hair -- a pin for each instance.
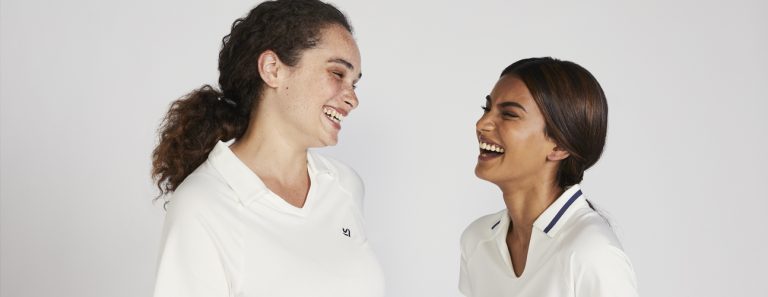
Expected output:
(198, 120)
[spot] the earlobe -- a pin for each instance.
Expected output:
(558, 154)
(268, 66)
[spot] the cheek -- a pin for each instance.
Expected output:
(316, 91)
(528, 145)
(540, 147)
(333, 84)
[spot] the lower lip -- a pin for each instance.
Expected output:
(333, 123)
(484, 156)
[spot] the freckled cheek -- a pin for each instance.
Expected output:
(331, 85)
(335, 91)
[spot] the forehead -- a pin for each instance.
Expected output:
(512, 88)
(336, 43)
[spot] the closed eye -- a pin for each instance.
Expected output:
(340, 75)
(509, 115)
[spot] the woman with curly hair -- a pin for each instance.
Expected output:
(253, 212)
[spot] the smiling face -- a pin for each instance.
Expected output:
(319, 92)
(513, 145)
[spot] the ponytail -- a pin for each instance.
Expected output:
(190, 130)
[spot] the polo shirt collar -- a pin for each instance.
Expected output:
(244, 182)
(555, 216)
(317, 165)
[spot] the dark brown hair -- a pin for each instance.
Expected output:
(198, 120)
(574, 107)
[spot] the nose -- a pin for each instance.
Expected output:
(484, 124)
(350, 98)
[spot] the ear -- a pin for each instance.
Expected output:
(269, 64)
(558, 154)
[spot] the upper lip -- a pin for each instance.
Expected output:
(488, 141)
(342, 111)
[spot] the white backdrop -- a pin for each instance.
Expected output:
(84, 85)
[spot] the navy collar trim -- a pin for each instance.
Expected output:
(562, 211)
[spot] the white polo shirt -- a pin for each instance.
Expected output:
(227, 234)
(573, 252)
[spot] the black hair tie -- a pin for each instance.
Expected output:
(228, 101)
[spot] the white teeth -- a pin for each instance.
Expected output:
(491, 147)
(333, 114)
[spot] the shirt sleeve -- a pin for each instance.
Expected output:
(464, 285)
(603, 272)
(189, 263)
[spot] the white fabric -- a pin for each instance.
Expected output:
(579, 256)
(226, 234)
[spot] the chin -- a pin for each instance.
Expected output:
(332, 139)
(480, 173)
(329, 141)
(486, 175)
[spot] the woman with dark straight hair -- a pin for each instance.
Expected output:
(250, 210)
(543, 125)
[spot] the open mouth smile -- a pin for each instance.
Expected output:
(334, 116)
(489, 150)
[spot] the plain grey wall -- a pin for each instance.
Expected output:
(84, 85)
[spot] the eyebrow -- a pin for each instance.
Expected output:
(346, 64)
(506, 103)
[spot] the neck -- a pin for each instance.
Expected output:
(271, 155)
(525, 202)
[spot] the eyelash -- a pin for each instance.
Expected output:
(341, 76)
(509, 115)
(487, 109)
